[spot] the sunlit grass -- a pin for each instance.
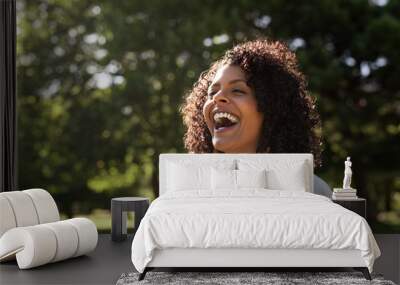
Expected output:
(102, 220)
(389, 222)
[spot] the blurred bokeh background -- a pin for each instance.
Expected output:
(100, 83)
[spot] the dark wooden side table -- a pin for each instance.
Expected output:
(119, 209)
(357, 205)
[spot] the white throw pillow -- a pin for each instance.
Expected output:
(251, 178)
(223, 179)
(184, 175)
(226, 179)
(282, 174)
(292, 179)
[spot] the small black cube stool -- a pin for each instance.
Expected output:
(119, 208)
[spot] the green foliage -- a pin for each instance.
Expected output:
(100, 84)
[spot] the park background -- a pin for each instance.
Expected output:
(100, 83)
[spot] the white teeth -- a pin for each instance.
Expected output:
(230, 117)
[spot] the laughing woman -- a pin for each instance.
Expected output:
(252, 100)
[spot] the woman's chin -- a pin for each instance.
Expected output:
(224, 139)
(223, 144)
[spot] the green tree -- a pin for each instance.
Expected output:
(100, 84)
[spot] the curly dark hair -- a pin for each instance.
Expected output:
(291, 123)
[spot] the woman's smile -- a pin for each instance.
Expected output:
(224, 120)
(224, 129)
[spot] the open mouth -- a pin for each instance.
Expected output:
(224, 121)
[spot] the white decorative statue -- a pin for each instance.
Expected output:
(347, 174)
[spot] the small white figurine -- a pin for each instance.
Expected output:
(347, 174)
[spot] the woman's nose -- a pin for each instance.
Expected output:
(220, 97)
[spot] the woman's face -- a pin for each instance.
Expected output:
(231, 112)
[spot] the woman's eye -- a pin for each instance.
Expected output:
(212, 93)
(238, 91)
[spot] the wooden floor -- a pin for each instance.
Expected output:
(111, 259)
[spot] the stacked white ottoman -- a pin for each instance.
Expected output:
(31, 230)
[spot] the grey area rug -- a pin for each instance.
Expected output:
(225, 278)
